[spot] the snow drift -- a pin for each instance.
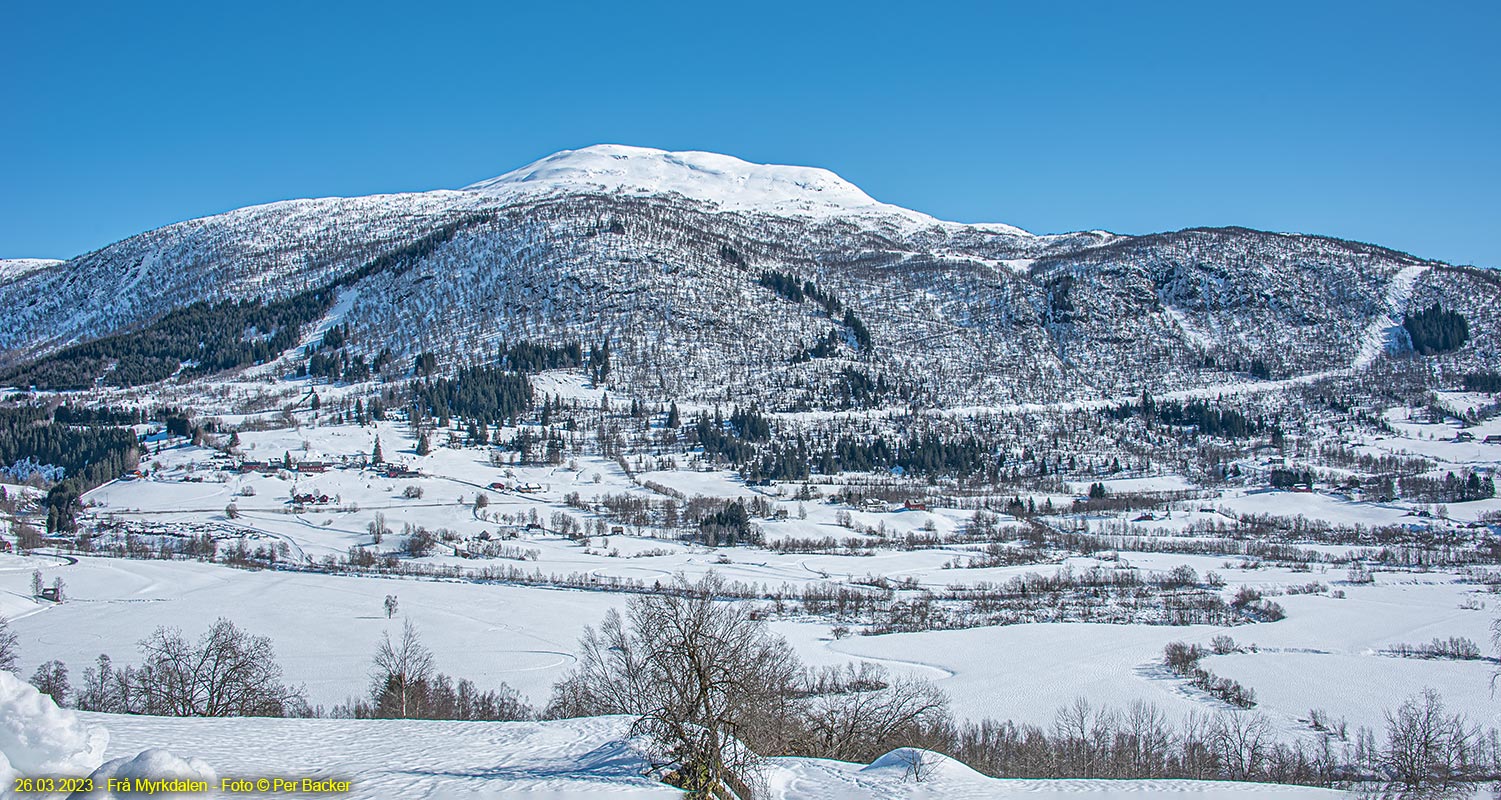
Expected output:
(154, 764)
(37, 738)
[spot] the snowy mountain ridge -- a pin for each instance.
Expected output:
(11, 268)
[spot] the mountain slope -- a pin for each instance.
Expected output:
(670, 257)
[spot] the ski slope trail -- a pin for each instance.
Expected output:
(1381, 333)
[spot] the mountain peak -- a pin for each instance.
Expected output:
(728, 183)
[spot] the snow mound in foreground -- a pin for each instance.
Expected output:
(38, 738)
(914, 763)
(152, 765)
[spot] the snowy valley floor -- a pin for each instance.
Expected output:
(1326, 655)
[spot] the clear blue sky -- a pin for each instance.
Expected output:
(1366, 120)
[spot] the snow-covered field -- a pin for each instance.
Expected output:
(1326, 655)
(325, 628)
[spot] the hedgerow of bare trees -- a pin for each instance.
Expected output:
(713, 692)
(226, 673)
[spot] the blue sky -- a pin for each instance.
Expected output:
(1372, 121)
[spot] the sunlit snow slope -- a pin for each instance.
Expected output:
(725, 182)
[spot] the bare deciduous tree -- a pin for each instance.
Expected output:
(707, 683)
(1427, 749)
(406, 685)
(98, 692)
(1084, 735)
(51, 679)
(377, 528)
(1241, 740)
(228, 673)
(1496, 642)
(10, 646)
(1143, 742)
(401, 673)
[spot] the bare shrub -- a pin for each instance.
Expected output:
(1180, 657)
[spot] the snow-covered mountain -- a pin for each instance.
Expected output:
(719, 181)
(673, 259)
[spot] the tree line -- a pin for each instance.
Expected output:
(86, 455)
(1482, 382)
(89, 454)
(713, 693)
(1198, 414)
(486, 394)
